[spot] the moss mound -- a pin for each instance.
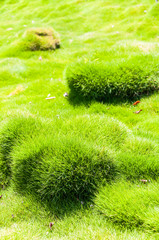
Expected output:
(40, 39)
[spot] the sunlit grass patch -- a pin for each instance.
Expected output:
(130, 205)
(138, 158)
(103, 81)
(149, 128)
(99, 129)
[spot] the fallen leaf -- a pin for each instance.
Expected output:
(50, 225)
(135, 103)
(137, 112)
(18, 90)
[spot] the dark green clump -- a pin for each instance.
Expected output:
(106, 82)
(60, 168)
(40, 39)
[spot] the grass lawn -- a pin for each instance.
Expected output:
(75, 151)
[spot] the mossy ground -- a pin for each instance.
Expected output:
(117, 31)
(42, 39)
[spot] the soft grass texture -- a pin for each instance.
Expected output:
(12, 131)
(117, 32)
(60, 168)
(126, 80)
(35, 39)
(23, 218)
(130, 205)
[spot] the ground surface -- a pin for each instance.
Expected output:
(122, 28)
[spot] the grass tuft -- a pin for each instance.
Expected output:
(101, 81)
(13, 131)
(40, 39)
(130, 205)
(58, 168)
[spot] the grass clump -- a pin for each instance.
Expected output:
(130, 205)
(106, 81)
(11, 132)
(35, 39)
(138, 158)
(60, 168)
(99, 129)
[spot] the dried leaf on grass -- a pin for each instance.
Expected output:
(18, 90)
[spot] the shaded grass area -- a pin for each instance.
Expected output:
(24, 219)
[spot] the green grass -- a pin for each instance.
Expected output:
(60, 168)
(25, 219)
(130, 205)
(50, 148)
(121, 80)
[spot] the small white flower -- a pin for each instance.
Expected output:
(65, 94)
(40, 58)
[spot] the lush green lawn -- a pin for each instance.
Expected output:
(77, 164)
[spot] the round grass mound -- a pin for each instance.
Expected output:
(12, 131)
(130, 205)
(99, 129)
(106, 81)
(58, 168)
(44, 39)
